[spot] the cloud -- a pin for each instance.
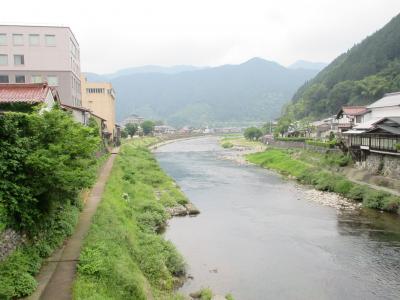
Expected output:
(118, 34)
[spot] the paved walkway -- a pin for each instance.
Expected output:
(57, 275)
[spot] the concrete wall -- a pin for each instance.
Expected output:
(386, 165)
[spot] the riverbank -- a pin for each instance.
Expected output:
(124, 255)
(322, 177)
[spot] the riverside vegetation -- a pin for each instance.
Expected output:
(318, 170)
(124, 255)
(46, 160)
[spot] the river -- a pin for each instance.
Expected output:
(257, 238)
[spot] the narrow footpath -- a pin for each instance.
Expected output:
(58, 273)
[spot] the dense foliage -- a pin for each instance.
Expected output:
(359, 76)
(252, 133)
(45, 159)
(124, 256)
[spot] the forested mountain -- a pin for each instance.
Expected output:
(254, 91)
(359, 76)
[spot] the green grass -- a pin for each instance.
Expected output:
(124, 256)
(295, 163)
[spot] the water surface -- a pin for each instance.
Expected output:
(257, 238)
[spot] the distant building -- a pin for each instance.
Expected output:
(164, 129)
(99, 98)
(323, 128)
(37, 54)
(29, 94)
(349, 116)
(133, 119)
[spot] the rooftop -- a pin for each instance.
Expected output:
(32, 93)
(392, 99)
(351, 111)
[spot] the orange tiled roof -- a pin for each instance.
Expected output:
(354, 110)
(23, 93)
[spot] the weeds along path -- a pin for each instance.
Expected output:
(57, 276)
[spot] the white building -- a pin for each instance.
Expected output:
(388, 106)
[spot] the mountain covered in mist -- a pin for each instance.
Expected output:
(303, 64)
(254, 91)
(357, 77)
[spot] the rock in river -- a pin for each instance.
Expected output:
(191, 209)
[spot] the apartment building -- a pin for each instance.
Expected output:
(99, 97)
(36, 54)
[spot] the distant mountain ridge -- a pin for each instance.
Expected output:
(254, 91)
(303, 64)
(357, 77)
(139, 70)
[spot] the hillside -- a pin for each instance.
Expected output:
(359, 76)
(254, 91)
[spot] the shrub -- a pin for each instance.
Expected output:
(375, 199)
(227, 145)
(334, 159)
(329, 144)
(391, 203)
(229, 297)
(343, 186)
(252, 133)
(398, 146)
(206, 294)
(357, 192)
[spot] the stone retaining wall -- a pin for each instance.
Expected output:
(382, 164)
(9, 241)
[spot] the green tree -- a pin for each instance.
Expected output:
(131, 129)
(148, 127)
(252, 133)
(45, 161)
(283, 125)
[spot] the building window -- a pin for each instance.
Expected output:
(50, 39)
(4, 79)
(3, 39)
(19, 78)
(36, 79)
(52, 80)
(3, 59)
(19, 60)
(18, 39)
(34, 40)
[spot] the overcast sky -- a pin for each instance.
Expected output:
(115, 34)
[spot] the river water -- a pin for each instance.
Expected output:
(257, 238)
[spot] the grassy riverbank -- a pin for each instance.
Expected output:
(124, 256)
(318, 170)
